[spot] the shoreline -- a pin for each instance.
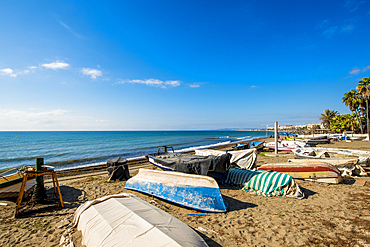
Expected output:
(329, 215)
(140, 160)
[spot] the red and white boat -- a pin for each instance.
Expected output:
(316, 171)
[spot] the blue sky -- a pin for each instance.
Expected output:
(178, 65)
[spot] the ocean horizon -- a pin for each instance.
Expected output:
(73, 149)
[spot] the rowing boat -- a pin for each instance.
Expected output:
(248, 145)
(318, 171)
(285, 145)
(245, 159)
(189, 190)
(319, 153)
(126, 220)
(210, 165)
(347, 167)
(10, 185)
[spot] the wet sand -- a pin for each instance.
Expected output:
(330, 215)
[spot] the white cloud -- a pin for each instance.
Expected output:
(357, 70)
(93, 73)
(155, 82)
(8, 72)
(56, 65)
(194, 85)
(254, 86)
(33, 67)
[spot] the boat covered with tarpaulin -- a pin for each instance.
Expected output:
(245, 159)
(209, 165)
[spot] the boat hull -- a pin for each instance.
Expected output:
(10, 185)
(194, 191)
(315, 170)
(210, 165)
(284, 145)
(309, 153)
(126, 220)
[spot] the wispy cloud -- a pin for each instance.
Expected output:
(71, 31)
(194, 85)
(358, 70)
(12, 73)
(254, 86)
(93, 73)
(329, 32)
(56, 65)
(154, 82)
(353, 5)
(323, 25)
(31, 116)
(347, 28)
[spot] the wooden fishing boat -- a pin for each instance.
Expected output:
(318, 171)
(10, 185)
(193, 191)
(347, 167)
(210, 165)
(248, 145)
(126, 220)
(245, 159)
(285, 145)
(319, 153)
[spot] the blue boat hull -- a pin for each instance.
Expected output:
(202, 198)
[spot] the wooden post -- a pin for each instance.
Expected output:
(39, 163)
(276, 137)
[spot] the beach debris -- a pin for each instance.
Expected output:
(198, 214)
(209, 231)
(66, 238)
(63, 223)
(206, 230)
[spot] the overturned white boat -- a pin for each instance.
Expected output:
(322, 153)
(245, 159)
(126, 220)
(285, 145)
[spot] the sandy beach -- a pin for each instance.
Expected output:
(329, 215)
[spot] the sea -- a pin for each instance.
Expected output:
(73, 149)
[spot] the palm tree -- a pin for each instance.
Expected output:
(327, 117)
(364, 88)
(353, 100)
